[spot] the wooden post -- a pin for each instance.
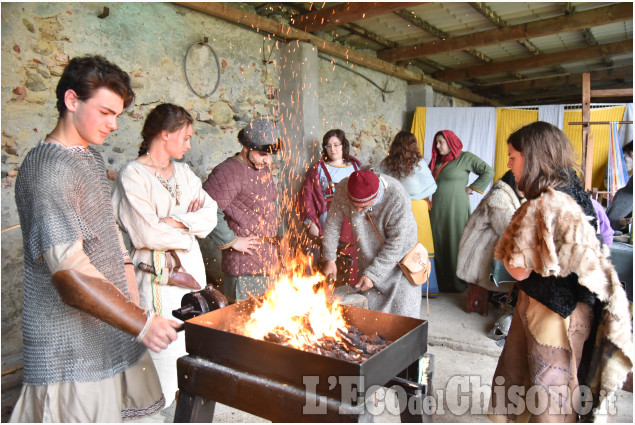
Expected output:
(588, 169)
(586, 117)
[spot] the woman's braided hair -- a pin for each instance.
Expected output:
(165, 117)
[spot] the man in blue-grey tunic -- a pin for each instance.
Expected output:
(367, 199)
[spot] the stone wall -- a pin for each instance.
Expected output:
(150, 41)
(367, 105)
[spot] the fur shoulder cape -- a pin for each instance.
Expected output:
(483, 230)
(552, 236)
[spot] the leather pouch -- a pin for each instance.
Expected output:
(415, 265)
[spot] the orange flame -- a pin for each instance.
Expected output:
(295, 310)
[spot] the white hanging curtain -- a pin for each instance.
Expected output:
(476, 127)
(553, 114)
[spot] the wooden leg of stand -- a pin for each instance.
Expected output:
(477, 299)
(194, 409)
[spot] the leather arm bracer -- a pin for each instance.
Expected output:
(100, 299)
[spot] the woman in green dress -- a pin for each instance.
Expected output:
(450, 211)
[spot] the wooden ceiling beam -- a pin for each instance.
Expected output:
(426, 65)
(591, 41)
(488, 13)
(431, 29)
(561, 96)
(549, 59)
(576, 21)
(342, 14)
(617, 73)
(484, 10)
(627, 92)
(605, 89)
(363, 32)
(288, 33)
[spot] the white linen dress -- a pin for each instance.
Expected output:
(140, 200)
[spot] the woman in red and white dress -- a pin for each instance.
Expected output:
(317, 193)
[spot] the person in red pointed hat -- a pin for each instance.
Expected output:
(385, 229)
(451, 168)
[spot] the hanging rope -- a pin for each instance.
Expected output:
(202, 43)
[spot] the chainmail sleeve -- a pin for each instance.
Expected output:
(49, 216)
(63, 196)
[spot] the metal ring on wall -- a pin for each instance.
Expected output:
(202, 43)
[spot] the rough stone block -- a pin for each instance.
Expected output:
(221, 113)
(35, 82)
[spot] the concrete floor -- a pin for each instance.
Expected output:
(463, 355)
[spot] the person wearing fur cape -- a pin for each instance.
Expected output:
(570, 343)
(483, 230)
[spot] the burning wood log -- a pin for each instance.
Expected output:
(362, 342)
(349, 342)
(351, 345)
(274, 337)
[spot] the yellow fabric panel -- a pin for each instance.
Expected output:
(419, 127)
(600, 134)
(424, 231)
(508, 121)
(574, 132)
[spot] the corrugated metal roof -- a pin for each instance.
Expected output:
(558, 42)
(613, 32)
(453, 18)
(395, 28)
(461, 19)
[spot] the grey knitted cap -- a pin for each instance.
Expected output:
(262, 135)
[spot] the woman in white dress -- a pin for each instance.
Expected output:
(162, 207)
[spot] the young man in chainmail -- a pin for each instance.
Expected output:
(85, 355)
(247, 232)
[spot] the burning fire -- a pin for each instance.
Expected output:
(295, 312)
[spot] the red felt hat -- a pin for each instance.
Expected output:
(363, 186)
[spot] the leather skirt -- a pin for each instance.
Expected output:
(536, 377)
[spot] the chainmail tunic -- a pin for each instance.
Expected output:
(63, 196)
